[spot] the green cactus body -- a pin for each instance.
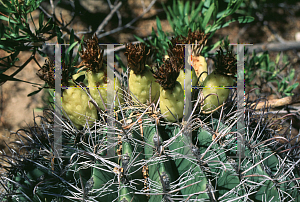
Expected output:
(140, 84)
(227, 178)
(104, 186)
(161, 177)
(27, 185)
(203, 172)
(215, 83)
(126, 194)
(258, 178)
(98, 86)
(195, 182)
(161, 170)
(131, 152)
(185, 161)
(172, 100)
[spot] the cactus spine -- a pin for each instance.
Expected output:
(153, 160)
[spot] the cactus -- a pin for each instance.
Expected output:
(144, 157)
(154, 161)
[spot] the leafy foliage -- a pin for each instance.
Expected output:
(259, 66)
(206, 17)
(17, 36)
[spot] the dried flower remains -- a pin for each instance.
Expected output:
(137, 56)
(226, 63)
(166, 75)
(47, 73)
(92, 55)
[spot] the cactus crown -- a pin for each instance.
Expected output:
(167, 73)
(92, 55)
(46, 73)
(226, 63)
(137, 56)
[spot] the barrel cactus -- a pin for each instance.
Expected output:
(143, 156)
(154, 160)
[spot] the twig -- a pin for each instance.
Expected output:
(278, 102)
(55, 20)
(128, 24)
(118, 12)
(20, 68)
(275, 46)
(108, 17)
(143, 4)
(277, 36)
(53, 7)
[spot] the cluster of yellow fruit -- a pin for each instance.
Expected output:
(148, 84)
(171, 76)
(75, 101)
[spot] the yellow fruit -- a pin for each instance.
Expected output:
(181, 78)
(214, 83)
(200, 65)
(75, 104)
(173, 100)
(139, 86)
(98, 85)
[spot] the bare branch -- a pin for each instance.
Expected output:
(118, 12)
(276, 46)
(278, 102)
(64, 28)
(108, 17)
(128, 24)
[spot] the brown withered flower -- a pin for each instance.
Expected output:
(47, 73)
(137, 56)
(197, 38)
(177, 50)
(92, 55)
(166, 75)
(226, 63)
